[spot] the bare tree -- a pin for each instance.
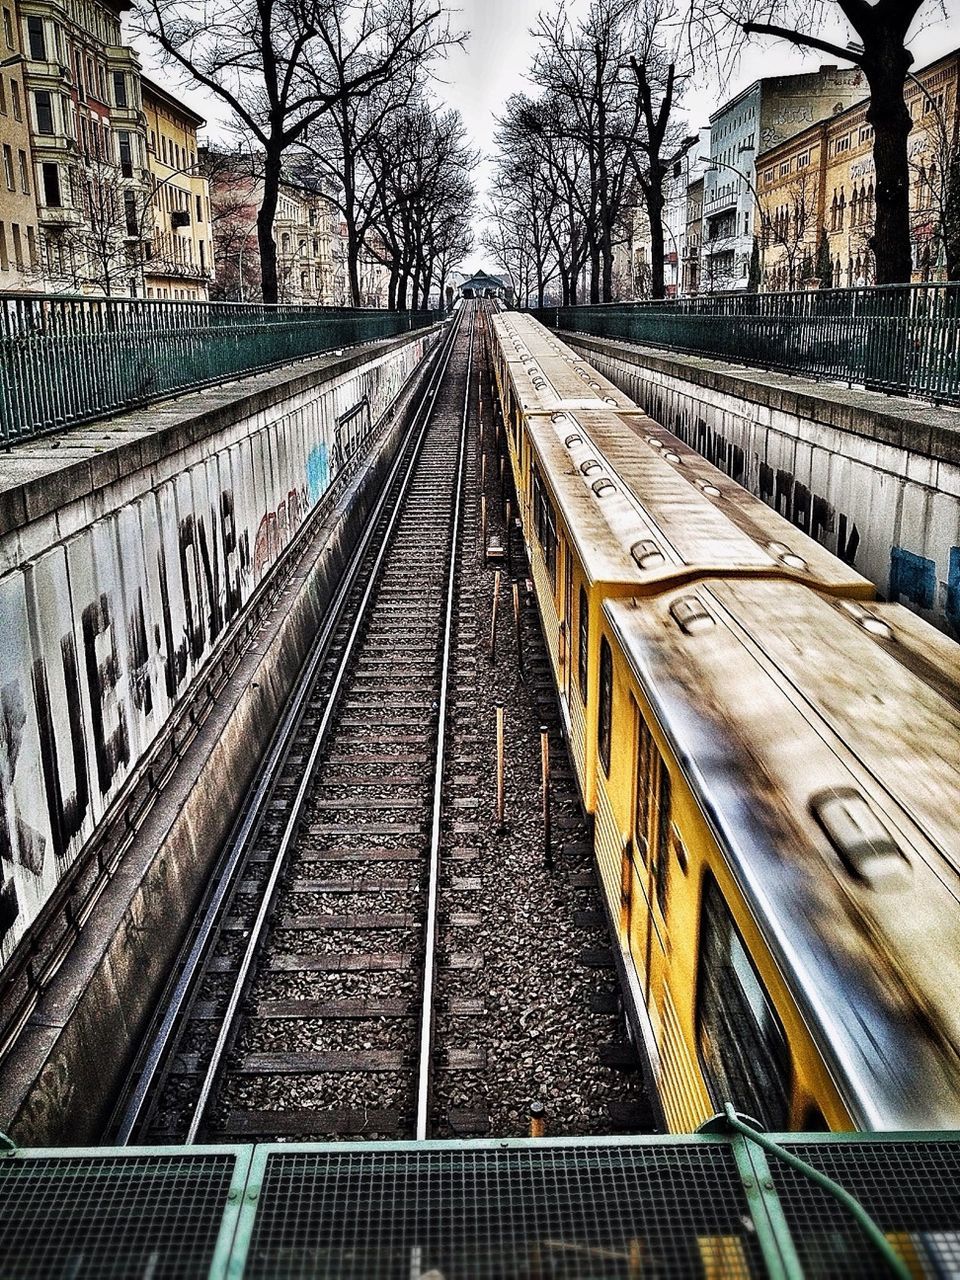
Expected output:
(659, 44)
(580, 64)
(882, 28)
(423, 162)
(276, 64)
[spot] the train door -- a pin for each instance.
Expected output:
(645, 869)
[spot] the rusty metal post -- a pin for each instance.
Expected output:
(501, 766)
(516, 621)
(545, 787)
(503, 491)
(538, 1123)
(483, 473)
(483, 523)
(493, 616)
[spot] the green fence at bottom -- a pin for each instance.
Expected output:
(711, 1205)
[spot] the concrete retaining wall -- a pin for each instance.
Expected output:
(125, 553)
(874, 478)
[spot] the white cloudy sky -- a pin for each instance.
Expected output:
(479, 78)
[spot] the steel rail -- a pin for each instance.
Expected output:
(250, 819)
(286, 841)
(430, 940)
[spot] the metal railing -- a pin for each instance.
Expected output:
(893, 338)
(65, 361)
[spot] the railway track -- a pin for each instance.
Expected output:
(303, 1006)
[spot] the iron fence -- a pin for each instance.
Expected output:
(65, 361)
(893, 338)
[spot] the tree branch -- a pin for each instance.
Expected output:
(804, 41)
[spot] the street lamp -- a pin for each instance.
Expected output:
(713, 166)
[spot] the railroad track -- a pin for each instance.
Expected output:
(303, 1005)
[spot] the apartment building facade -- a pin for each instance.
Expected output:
(88, 143)
(817, 190)
(178, 236)
(19, 215)
(767, 113)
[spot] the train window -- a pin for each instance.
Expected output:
(741, 1042)
(661, 852)
(605, 706)
(646, 754)
(583, 638)
(545, 525)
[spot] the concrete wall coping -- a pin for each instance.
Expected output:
(930, 430)
(40, 476)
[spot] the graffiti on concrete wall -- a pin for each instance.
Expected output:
(104, 631)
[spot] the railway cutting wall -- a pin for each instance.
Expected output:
(130, 554)
(874, 478)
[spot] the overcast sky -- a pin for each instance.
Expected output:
(479, 78)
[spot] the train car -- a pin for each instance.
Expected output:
(771, 759)
(776, 837)
(614, 506)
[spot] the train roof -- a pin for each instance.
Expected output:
(822, 741)
(684, 525)
(547, 375)
(641, 507)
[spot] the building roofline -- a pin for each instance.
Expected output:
(163, 95)
(855, 106)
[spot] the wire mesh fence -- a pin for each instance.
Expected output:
(896, 338)
(65, 361)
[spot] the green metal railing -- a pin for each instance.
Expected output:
(894, 338)
(729, 1203)
(65, 361)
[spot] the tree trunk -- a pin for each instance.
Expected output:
(886, 71)
(392, 288)
(655, 202)
(272, 167)
(594, 272)
(353, 265)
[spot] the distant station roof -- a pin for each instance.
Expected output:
(482, 284)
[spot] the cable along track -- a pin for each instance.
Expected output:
(302, 1007)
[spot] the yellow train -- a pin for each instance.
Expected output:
(772, 760)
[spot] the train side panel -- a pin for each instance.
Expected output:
(663, 875)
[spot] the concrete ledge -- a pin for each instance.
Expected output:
(39, 477)
(927, 429)
(58, 1084)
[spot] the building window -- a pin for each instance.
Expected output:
(32, 246)
(605, 706)
(119, 89)
(51, 185)
(199, 209)
(740, 1039)
(38, 46)
(24, 172)
(8, 167)
(126, 158)
(842, 144)
(130, 212)
(8, 29)
(803, 159)
(44, 109)
(17, 106)
(17, 246)
(4, 260)
(784, 168)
